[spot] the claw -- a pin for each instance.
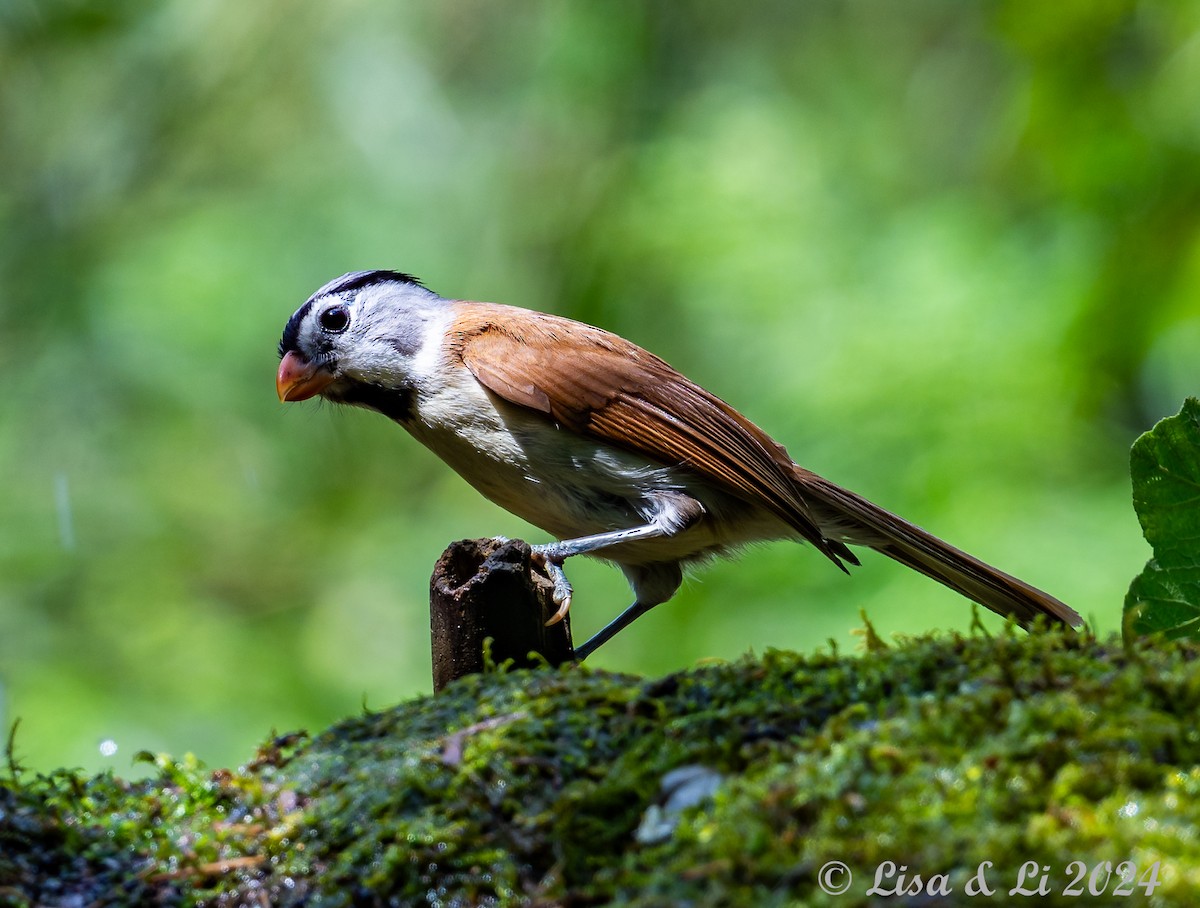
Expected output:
(562, 590)
(563, 608)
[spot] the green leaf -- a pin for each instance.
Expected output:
(1165, 466)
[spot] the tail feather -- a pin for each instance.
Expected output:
(847, 517)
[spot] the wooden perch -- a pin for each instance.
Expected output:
(483, 588)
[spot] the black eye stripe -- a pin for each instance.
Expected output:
(291, 333)
(335, 319)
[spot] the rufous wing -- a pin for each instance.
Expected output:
(602, 386)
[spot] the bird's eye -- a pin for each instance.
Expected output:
(335, 319)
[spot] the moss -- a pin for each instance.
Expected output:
(527, 787)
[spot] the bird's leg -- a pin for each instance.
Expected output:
(553, 554)
(653, 583)
(611, 629)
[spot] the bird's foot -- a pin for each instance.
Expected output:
(562, 587)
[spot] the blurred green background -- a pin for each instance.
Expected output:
(947, 253)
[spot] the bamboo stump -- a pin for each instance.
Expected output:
(484, 588)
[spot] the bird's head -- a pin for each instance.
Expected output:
(357, 338)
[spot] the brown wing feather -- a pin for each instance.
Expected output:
(601, 385)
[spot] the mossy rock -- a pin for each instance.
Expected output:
(937, 754)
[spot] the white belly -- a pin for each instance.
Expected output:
(570, 486)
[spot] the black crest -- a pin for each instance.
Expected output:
(356, 280)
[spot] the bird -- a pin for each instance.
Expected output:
(597, 442)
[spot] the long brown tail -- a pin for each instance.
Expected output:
(847, 517)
